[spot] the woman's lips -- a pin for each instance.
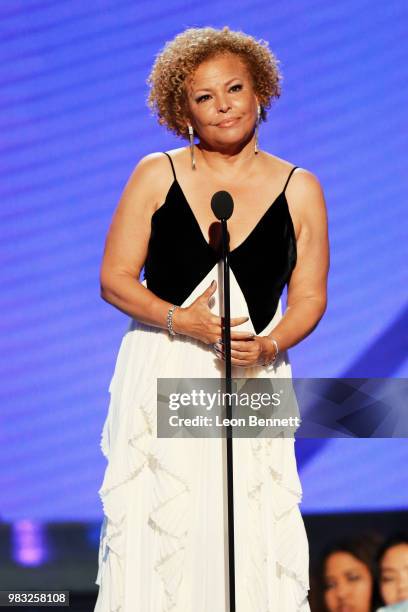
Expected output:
(227, 123)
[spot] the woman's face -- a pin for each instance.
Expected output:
(394, 574)
(222, 105)
(348, 583)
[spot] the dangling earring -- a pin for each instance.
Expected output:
(256, 148)
(191, 135)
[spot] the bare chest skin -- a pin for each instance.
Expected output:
(252, 195)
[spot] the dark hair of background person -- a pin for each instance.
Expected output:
(364, 548)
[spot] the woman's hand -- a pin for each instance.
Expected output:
(255, 351)
(197, 320)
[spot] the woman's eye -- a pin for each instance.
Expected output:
(204, 97)
(386, 579)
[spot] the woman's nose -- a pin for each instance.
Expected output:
(342, 592)
(223, 104)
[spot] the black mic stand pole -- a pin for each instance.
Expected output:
(228, 387)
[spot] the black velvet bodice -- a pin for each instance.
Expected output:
(179, 257)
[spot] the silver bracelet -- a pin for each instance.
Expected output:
(170, 320)
(275, 344)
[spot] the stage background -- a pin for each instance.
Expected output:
(74, 123)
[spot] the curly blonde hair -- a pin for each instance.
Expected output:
(181, 57)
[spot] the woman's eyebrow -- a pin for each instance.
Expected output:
(226, 83)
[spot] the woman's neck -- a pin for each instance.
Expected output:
(231, 160)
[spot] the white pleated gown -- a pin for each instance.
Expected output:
(164, 539)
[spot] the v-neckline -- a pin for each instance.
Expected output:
(198, 227)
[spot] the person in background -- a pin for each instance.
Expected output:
(392, 571)
(345, 577)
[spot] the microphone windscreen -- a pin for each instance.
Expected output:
(222, 205)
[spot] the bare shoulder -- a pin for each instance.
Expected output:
(304, 192)
(305, 195)
(180, 157)
(307, 206)
(276, 166)
(150, 180)
(151, 166)
(302, 178)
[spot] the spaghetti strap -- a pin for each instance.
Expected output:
(172, 166)
(290, 174)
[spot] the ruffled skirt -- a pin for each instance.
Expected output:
(164, 541)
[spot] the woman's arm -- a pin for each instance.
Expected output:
(127, 241)
(307, 289)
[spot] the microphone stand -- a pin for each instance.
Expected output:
(228, 386)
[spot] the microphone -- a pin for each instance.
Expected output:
(222, 205)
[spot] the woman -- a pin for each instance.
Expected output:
(345, 576)
(392, 563)
(163, 541)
